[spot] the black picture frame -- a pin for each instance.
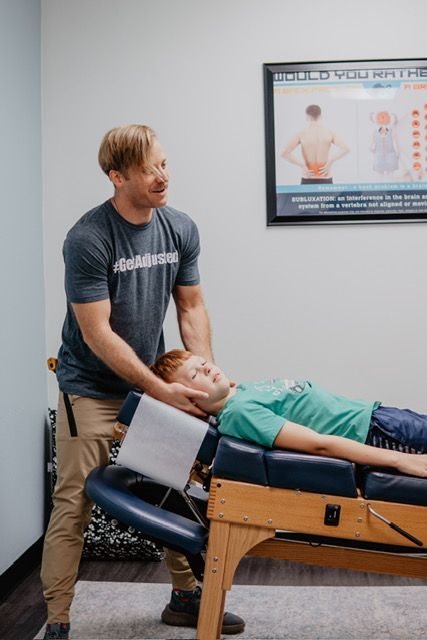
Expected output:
(371, 126)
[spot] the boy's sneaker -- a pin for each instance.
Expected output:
(57, 631)
(183, 611)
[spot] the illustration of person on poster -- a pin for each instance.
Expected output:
(316, 142)
(384, 145)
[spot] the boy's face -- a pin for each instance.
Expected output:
(198, 373)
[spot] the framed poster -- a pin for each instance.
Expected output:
(346, 142)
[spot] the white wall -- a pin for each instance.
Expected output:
(23, 389)
(343, 305)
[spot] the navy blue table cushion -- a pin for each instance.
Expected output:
(128, 407)
(209, 446)
(319, 474)
(247, 462)
(240, 460)
(111, 488)
(385, 484)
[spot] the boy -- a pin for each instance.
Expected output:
(299, 415)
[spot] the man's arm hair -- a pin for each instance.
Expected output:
(94, 321)
(193, 320)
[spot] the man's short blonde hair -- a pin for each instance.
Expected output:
(124, 147)
(167, 365)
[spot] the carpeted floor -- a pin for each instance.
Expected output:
(122, 611)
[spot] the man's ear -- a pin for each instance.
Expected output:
(116, 178)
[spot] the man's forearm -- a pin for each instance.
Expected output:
(195, 330)
(121, 358)
(93, 319)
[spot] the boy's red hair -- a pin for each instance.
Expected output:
(167, 364)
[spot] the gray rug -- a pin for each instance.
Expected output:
(122, 611)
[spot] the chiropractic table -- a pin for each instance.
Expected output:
(261, 502)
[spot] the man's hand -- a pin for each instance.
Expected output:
(181, 397)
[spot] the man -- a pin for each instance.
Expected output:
(123, 260)
(299, 415)
(316, 141)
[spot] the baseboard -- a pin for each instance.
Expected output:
(20, 569)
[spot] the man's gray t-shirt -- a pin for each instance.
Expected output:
(136, 267)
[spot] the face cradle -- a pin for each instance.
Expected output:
(148, 188)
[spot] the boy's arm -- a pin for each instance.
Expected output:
(300, 438)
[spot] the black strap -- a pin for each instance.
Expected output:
(70, 415)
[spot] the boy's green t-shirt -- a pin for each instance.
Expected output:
(259, 410)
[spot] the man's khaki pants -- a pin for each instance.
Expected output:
(77, 455)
